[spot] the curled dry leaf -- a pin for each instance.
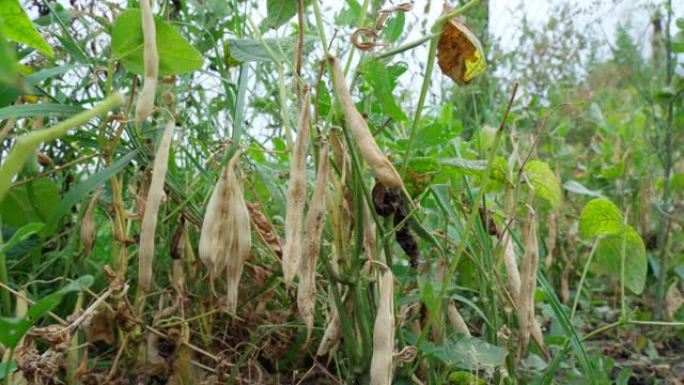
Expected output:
(383, 333)
(296, 194)
(88, 232)
(265, 230)
(155, 195)
(382, 168)
(459, 52)
(226, 240)
(151, 61)
(313, 229)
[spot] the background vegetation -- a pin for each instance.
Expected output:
(538, 239)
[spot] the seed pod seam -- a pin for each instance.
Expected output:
(313, 229)
(296, 194)
(153, 201)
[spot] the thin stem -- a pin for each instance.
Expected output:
(472, 219)
(582, 278)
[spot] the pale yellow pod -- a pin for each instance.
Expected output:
(383, 333)
(296, 194)
(88, 231)
(456, 320)
(155, 195)
(528, 281)
(382, 168)
(313, 229)
(145, 104)
(241, 238)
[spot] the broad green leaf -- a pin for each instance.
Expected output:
(609, 255)
(544, 181)
(251, 50)
(30, 110)
(377, 76)
(8, 61)
(20, 235)
(18, 27)
(424, 164)
(350, 14)
(31, 202)
(279, 12)
(77, 193)
(600, 217)
(394, 27)
(436, 134)
(176, 55)
(576, 187)
(467, 353)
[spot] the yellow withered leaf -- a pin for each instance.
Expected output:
(459, 52)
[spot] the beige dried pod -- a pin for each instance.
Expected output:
(226, 240)
(383, 333)
(145, 104)
(242, 240)
(296, 194)
(528, 281)
(456, 320)
(155, 195)
(673, 300)
(313, 229)
(332, 334)
(382, 168)
(88, 232)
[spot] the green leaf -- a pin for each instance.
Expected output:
(576, 187)
(31, 202)
(279, 12)
(4, 368)
(176, 55)
(600, 217)
(18, 27)
(394, 27)
(609, 255)
(436, 134)
(467, 353)
(13, 328)
(377, 76)
(77, 193)
(544, 181)
(253, 50)
(30, 110)
(21, 235)
(561, 315)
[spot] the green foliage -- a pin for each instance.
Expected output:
(600, 217)
(467, 353)
(609, 255)
(176, 55)
(18, 27)
(13, 328)
(31, 202)
(379, 77)
(544, 181)
(279, 12)
(255, 50)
